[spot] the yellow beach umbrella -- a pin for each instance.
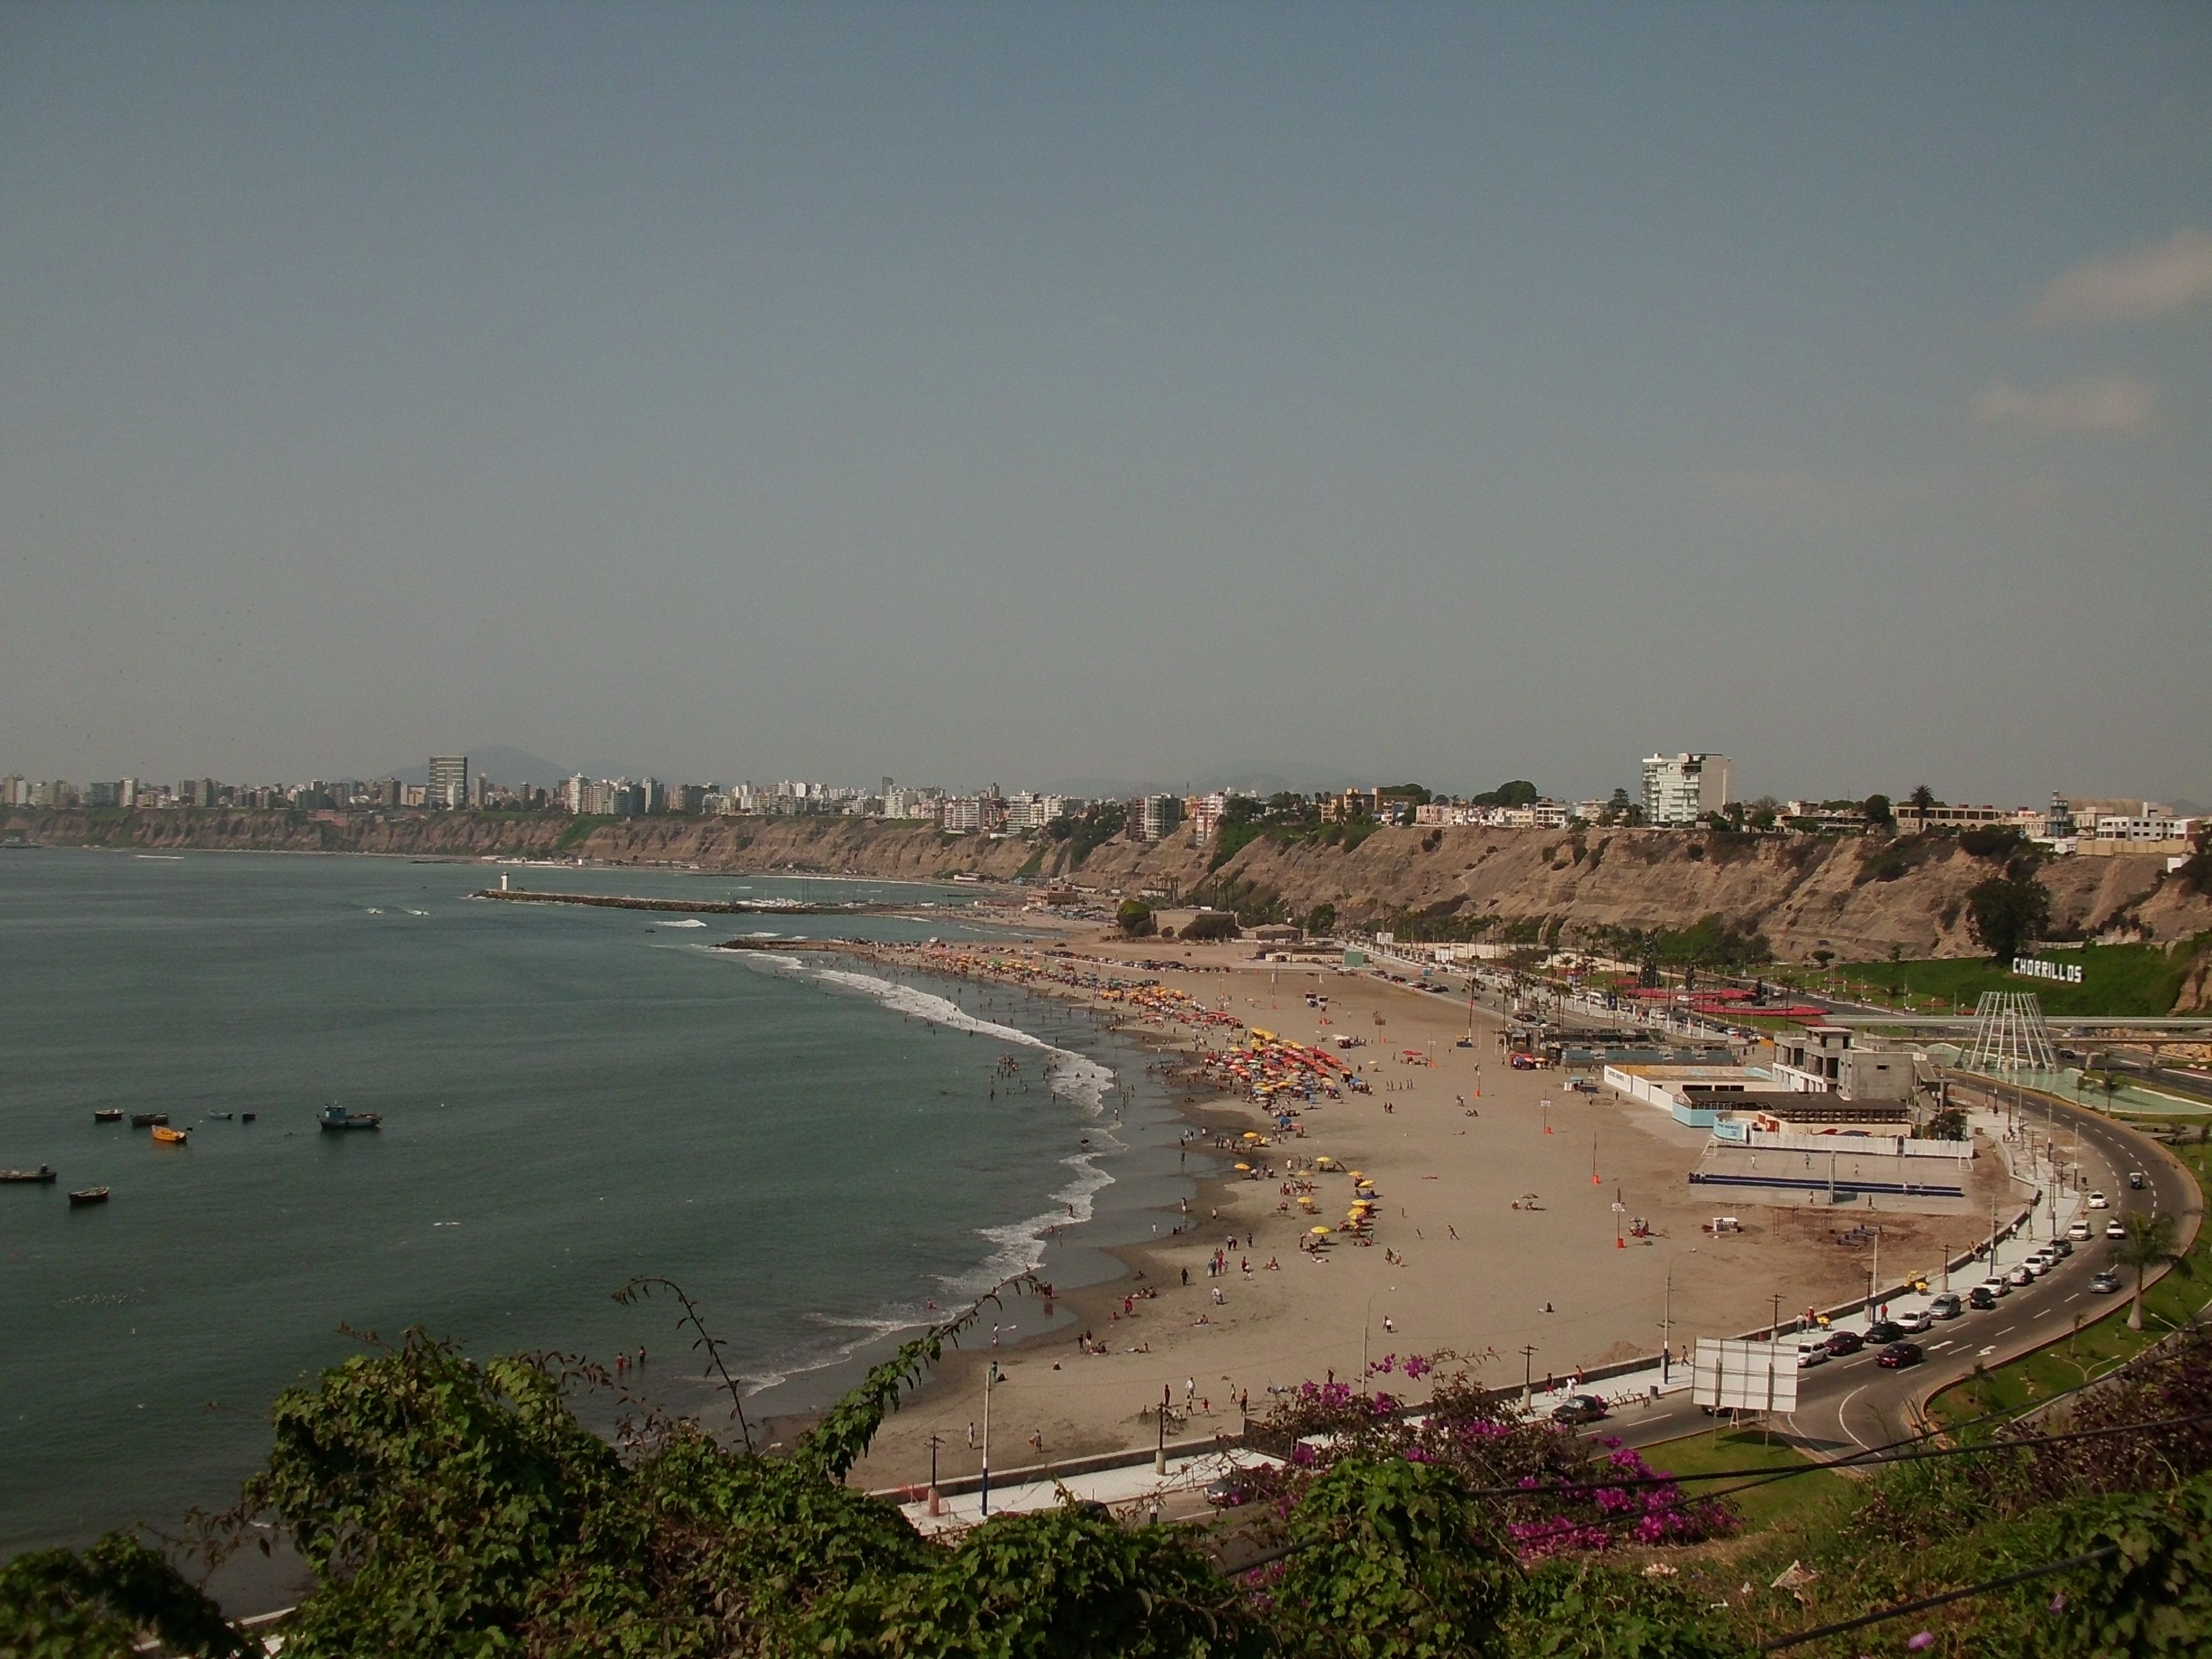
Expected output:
(1321, 1230)
(1244, 1166)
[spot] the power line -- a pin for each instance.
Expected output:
(1927, 1601)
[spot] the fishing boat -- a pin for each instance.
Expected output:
(43, 1175)
(247, 1117)
(89, 1195)
(108, 1115)
(148, 1120)
(221, 1117)
(337, 1119)
(165, 1136)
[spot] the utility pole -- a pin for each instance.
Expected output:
(1160, 1452)
(936, 1502)
(1528, 1375)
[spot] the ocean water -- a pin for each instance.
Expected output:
(571, 1098)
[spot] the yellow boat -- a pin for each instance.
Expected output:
(165, 1136)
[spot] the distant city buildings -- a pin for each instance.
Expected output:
(1682, 792)
(1681, 789)
(449, 781)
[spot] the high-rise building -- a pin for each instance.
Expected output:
(1681, 789)
(1154, 816)
(449, 781)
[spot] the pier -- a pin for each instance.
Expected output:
(700, 907)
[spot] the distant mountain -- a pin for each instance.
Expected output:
(494, 760)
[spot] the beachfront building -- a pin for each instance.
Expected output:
(1204, 813)
(1828, 1060)
(1153, 817)
(2153, 823)
(1678, 790)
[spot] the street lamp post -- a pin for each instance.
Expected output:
(1667, 1325)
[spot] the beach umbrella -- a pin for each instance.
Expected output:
(1321, 1230)
(1244, 1167)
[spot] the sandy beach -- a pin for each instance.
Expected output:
(1460, 1261)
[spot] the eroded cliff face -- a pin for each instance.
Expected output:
(1860, 898)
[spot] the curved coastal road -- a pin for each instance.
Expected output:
(1848, 1406)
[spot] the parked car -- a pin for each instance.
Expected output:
(2080, 1231)
(2020, 1275)
(2061, 1248)
(1812, 1353)
(2099, 1202)
(2115, 1228)
(1843, 1342)
(1580, 1408)
(1884, 1330)
(1918, 1320)
(2105, 1282)
(1947, 1306)
(1226, 1493)
(1995, 1285)
(2038, 1264)
(1897, 1355)
(1981, 1299)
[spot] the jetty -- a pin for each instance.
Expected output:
(705, 906)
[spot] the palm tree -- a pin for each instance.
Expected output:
(2149, 1242)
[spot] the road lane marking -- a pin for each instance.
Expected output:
(1843, 1423)
(1990, 1350)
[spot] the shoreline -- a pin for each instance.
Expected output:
(1469, 1283)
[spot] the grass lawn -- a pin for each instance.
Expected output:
(1805, 1503)
(2091, 1349)
(2116, 979)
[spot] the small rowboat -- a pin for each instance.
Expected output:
(108, 1115)
(89, 1195)
(221, 1117)
(148, 1120)
(43, 1175)
(165, 1136)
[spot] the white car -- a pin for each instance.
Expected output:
(1812, 1353)
(1916, 1322)
(2037, 1265)
(2022, 1274)
(2080, 1232)
(2099, 1202)
(2113, 1229)
(1995, 1285)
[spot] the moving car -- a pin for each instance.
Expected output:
(1897, 1355)
(1918, 1320)
(1947, 1306)
(1580, 1408)
(1981, 1299)
(1884, 1330)
(2105, 1282)
(2136, 1179)
(2114, 1229)
(1843, 1342)
(2099, 1202)
(2080, 1229)
(1812, 1353)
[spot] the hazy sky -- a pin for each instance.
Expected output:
(1019, 392)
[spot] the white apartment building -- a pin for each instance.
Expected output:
(1155, 816)
(2154, 823)
(1681, 789)
(959, 813)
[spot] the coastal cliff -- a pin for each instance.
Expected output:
(1861, 898)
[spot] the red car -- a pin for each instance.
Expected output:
(1897, 1355)
(1523, 1063)
(1845, 1342)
